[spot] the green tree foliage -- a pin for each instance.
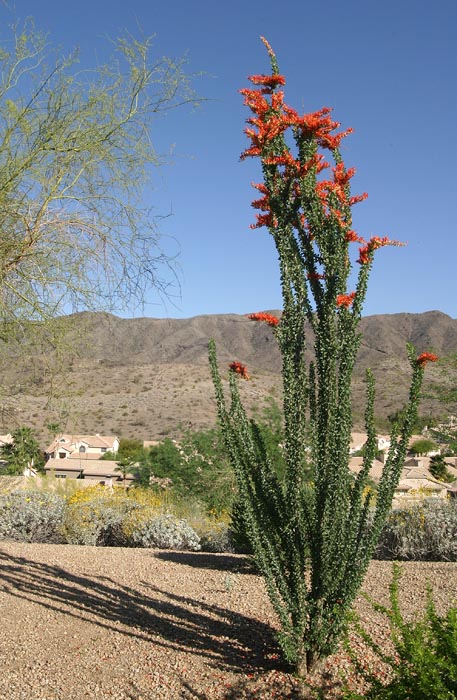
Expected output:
(125, 466)
(311, 539)
(420, 423)
(438, 468)
(421, 447)
(75, 156)
(198, 464)
(163, 461)
(197, 467)
(23, 451)
(77, 159)
(129, 448)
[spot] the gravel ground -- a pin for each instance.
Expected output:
(83, 622)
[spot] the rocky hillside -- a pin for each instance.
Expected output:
(149, 378)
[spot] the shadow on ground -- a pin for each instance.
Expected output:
(204, 560)
(228, 640)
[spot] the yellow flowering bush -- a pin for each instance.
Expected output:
(85, 494)
(151, 498)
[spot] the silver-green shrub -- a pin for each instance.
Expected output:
(166, 532)
(28, 516)
(421, 532)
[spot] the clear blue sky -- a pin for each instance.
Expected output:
(387, 68)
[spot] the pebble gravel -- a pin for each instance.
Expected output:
(83, 623)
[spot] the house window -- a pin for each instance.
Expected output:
(102, 449)
(82, 449)
(60, 476)
(62, 455)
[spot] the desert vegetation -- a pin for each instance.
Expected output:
(271, 485)
(54, 511)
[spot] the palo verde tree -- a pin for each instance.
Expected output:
(77, 158)
(311, 537)
(76, 152)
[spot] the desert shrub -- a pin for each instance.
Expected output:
(211, 525)
(49, 483)
(214, 536)
(136, 519)
(423, 664)
(98, 522)
(29, 516)
(158, 498)
(422, 532)
(87, 493)
(165, 531)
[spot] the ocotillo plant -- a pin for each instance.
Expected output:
(312, 539)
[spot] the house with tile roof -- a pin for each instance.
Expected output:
(66, 446)
(97, 471)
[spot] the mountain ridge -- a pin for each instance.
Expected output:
(149, 377)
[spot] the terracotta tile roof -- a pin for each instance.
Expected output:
(66, 440)
(85, 456)
(89, 468)
(355, 465)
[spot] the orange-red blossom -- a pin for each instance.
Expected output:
(366, 252)
(425, 357)
(272, 117)
(239, 368)
(345, 300)
(263, 316)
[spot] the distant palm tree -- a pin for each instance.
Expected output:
(124, 467)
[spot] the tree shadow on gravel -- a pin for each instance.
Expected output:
(228, 640)
(237, 564)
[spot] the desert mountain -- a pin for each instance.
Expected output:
(149, 377)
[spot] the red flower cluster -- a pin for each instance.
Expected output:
(320, 126)
(273, 117)
(294, 167)
(366, 252)
(352, 237)
(425, 357)
(345, 300)
(338, 187)
(270, 81)
(263, 316)
(265, 220)
(239, 368)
